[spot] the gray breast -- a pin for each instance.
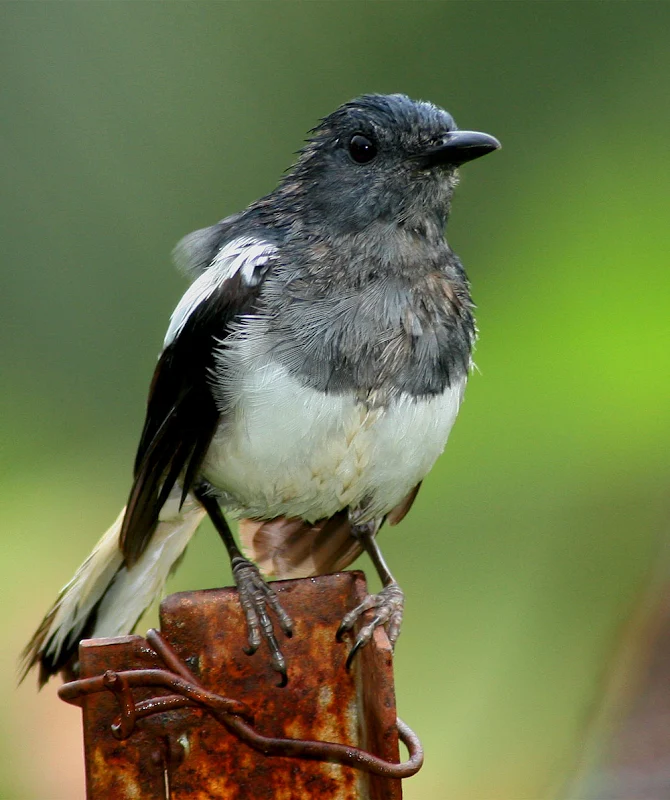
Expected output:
(391, 334)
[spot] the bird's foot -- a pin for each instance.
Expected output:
(255, 598)
(389, 605)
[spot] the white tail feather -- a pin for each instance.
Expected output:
(105, 589)
(133, 590)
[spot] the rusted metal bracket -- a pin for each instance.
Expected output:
(157, 725)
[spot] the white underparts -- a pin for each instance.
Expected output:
(288, 450)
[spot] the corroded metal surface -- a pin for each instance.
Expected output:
(184, 752)
(118, 769)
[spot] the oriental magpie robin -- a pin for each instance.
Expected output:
(309, 379)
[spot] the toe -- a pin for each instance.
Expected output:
(256, 598)
(285, 622)
(389, 607)
(352, 653)
(349, 619)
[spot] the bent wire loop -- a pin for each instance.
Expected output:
(234, 715)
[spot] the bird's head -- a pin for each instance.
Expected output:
(383, 159)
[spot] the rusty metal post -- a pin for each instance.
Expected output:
(214, 724)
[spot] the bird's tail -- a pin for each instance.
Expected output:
(106, 597)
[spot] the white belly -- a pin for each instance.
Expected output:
(287, 450)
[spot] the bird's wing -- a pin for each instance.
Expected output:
(292, 548)
(182, 415)
(399, 513)
(196, 251)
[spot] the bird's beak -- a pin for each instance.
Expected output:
(457, 147)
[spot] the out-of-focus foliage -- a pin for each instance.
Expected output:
(125, 126)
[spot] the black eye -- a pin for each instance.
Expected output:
(361, 149)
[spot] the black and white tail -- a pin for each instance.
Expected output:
(107, 597)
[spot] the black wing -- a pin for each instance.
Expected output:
(182, 415)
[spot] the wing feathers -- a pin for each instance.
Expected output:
(182, 414)
(246, 257)
(399, 513)
(293, 548)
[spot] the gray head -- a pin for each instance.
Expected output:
(382, 159)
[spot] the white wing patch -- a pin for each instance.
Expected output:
(245, 255)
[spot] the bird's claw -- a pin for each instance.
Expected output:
(255, 598)
(389, 605)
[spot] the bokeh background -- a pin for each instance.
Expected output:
(125, 126)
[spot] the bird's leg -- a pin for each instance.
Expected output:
(388, 603)
(255, 594)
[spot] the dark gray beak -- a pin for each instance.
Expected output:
(457, 147)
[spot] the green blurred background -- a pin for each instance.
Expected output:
(125, 126)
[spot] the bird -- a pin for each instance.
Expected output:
(308, 381)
